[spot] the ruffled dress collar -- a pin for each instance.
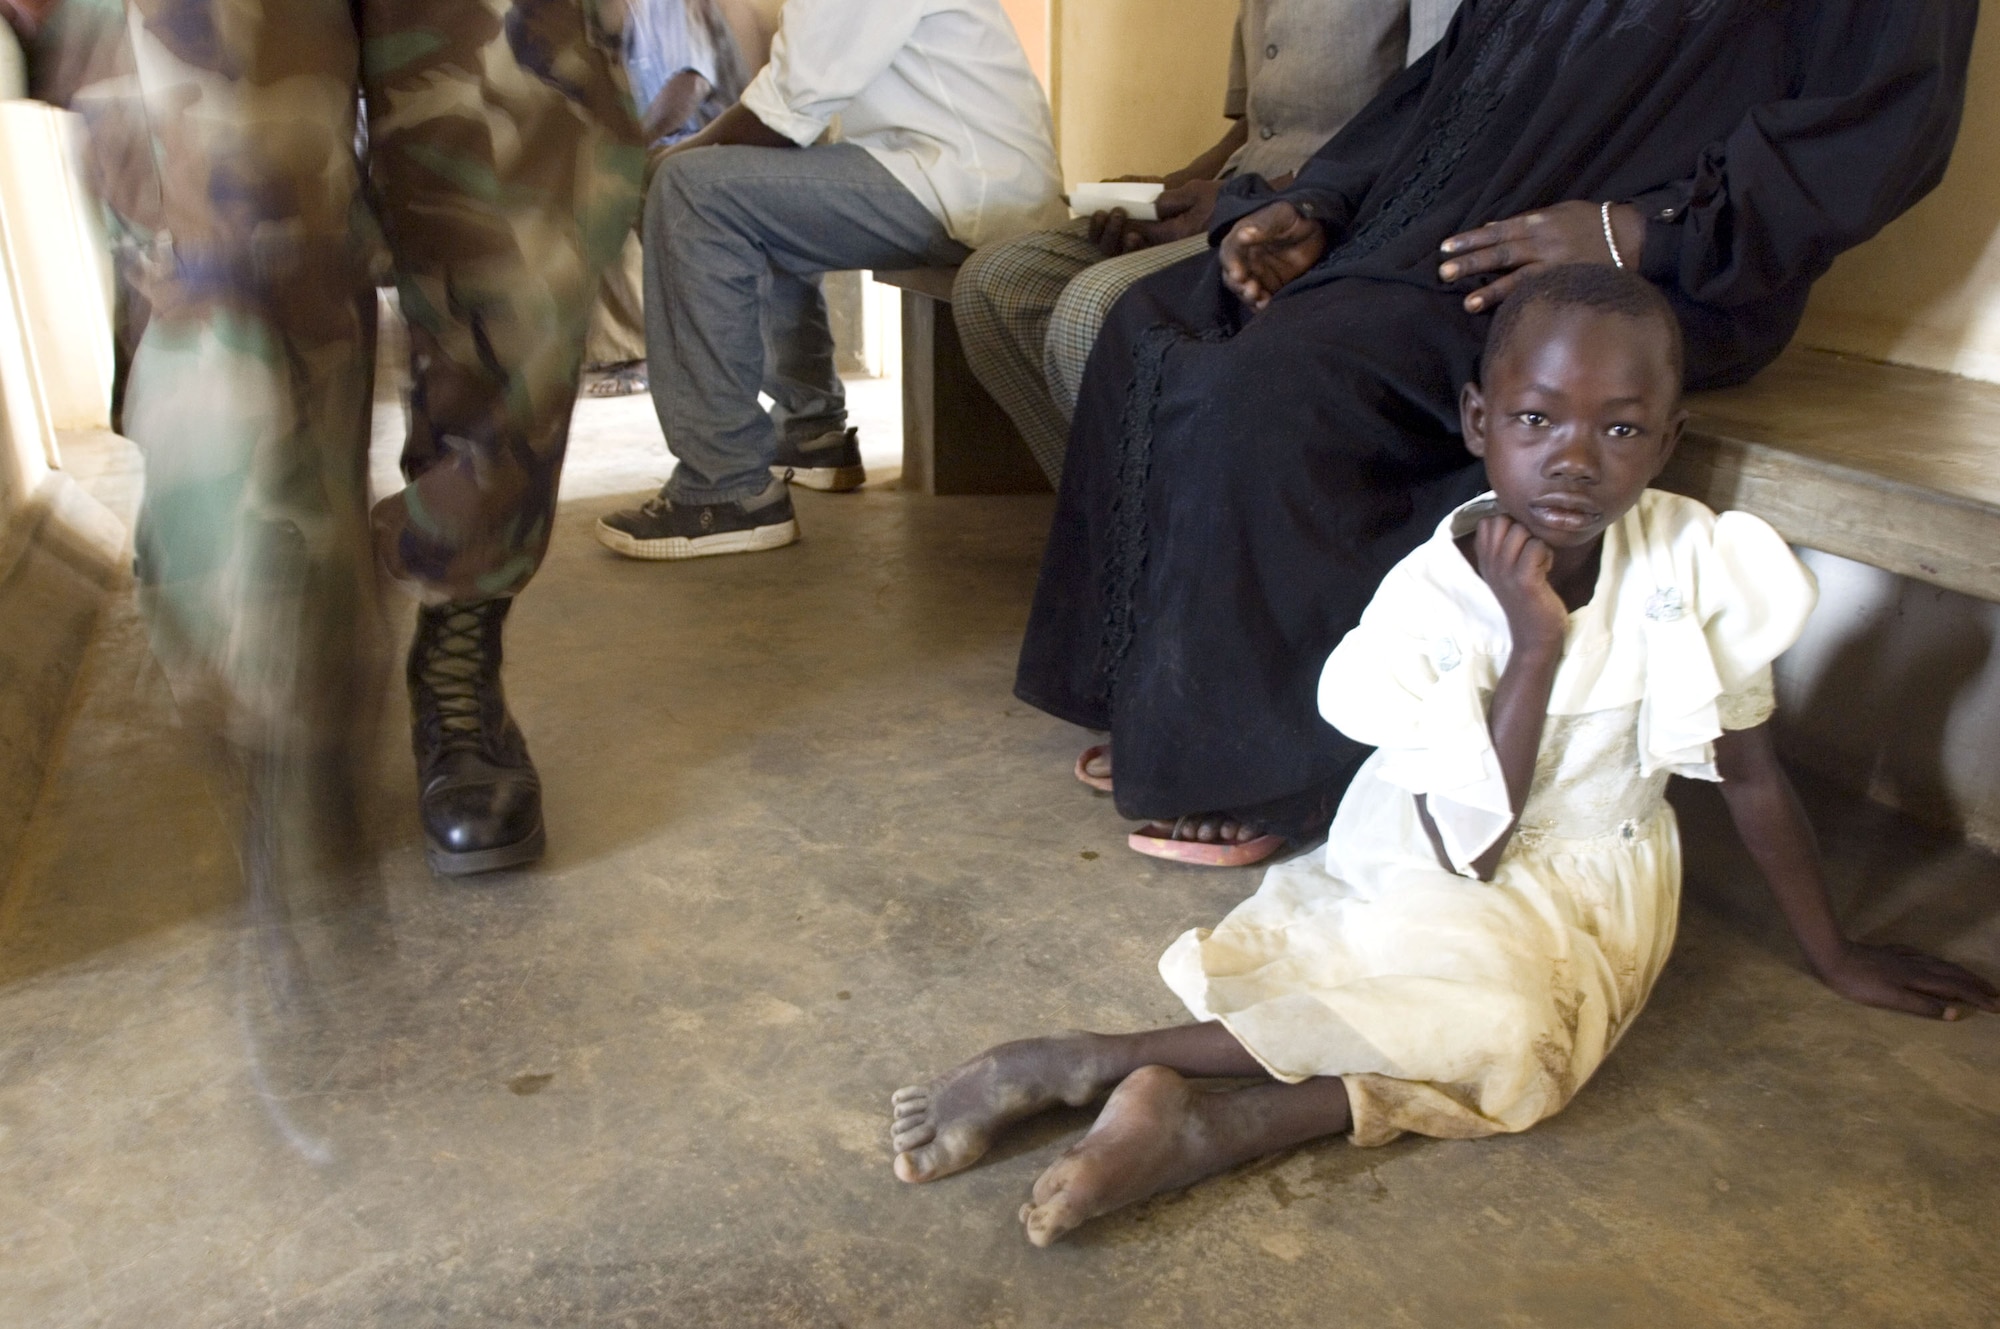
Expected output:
(1638, 639)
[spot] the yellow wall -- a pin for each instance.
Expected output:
(1031, 24)
(60, 262)
(1927, 290)
(752, 22)
(1138, 83)
(55, 308)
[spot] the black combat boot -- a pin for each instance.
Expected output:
(477, 791)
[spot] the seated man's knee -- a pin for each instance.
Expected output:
(982, 280)
(1075, 324)
(688, 181)
(1086, 302)
(670, 182)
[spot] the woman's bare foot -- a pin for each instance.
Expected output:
(1094, 767)
(1158, 1133)
(1210, 839)
(946, 1125)
(1204, 828)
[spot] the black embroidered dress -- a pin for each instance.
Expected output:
(1236, 486)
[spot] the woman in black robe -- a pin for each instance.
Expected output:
(1246, 464)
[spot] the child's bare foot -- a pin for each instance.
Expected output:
(1152, 1136)
(946, 1125)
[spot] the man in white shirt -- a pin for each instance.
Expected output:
(946, 144)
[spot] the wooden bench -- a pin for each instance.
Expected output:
(1895, 467)
(956, 439)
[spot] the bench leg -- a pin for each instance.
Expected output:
(956, 439)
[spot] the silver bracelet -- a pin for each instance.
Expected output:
(1610, 240)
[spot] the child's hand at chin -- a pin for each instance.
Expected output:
(1516, 566)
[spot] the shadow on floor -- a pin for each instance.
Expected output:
(806, 848)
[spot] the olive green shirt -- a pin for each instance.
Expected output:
(1300, 69)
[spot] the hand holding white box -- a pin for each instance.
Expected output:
(1137, 200)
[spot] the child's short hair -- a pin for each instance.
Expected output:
(1597, 286)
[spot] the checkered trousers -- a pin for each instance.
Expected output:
(1028, 311)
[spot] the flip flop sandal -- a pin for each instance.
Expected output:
(1091, 754)
(1207, 855)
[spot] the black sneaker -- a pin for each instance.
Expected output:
(662, 529)
(831, 462)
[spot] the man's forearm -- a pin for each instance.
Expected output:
(739, 126)
(676, 104)
(1209, 165)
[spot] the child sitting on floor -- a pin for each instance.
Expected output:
(1501, 884)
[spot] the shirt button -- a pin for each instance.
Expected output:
(1271, 52)
(1267, 132)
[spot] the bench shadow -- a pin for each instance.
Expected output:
(1879, 709)
(1866, 742)
(1891, 878)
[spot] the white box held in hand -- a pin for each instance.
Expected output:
(1104, 195)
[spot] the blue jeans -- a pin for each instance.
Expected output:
(736, 238)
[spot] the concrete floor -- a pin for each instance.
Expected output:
(804, 848)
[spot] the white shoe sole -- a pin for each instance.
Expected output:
(831, 479)
(674, 548)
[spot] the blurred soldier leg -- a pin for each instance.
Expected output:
(503, 169)
(505, 164)
(249, 393)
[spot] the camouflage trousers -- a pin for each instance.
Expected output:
(489, 146)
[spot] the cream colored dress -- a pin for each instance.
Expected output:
(1455, 1007)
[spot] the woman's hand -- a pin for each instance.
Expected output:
(1516, 566)
(1571, 232)
(1268, 250)
(1901, 978)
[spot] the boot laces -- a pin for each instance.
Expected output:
(452, 670)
